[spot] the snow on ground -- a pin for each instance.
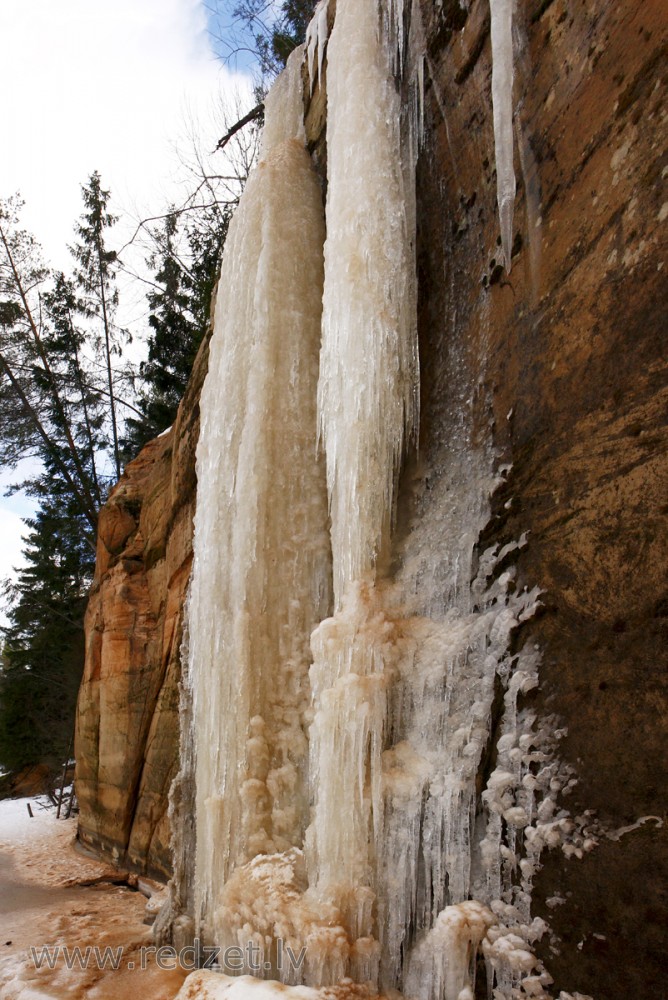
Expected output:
(43, 904)
(47, 912)
(214, 986)
(41, 846)
(204, 985)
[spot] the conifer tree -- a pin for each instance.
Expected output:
(187, 262)
(288, 32)
(43, 651)
(43, 380)
(56, 409)
(270, 30)
(96, 277)
(86, 404)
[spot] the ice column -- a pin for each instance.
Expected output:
(261, 579)
(367, 394)
(367, 404)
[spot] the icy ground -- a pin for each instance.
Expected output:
(44, 901)
(53, 896)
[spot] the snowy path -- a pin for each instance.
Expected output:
(21, 903)
(43, 904)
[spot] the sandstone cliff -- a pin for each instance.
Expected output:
(127, 716)
(567, 359)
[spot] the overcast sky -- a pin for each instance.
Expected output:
(104, 85)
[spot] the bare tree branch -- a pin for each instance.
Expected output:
(252, 115)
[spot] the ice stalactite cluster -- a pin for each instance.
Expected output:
(502, 104)
(261, 579)
(346, 716)
(446, 955)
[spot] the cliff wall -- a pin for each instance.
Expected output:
(566, 363)
(574, 383)
(127, 732)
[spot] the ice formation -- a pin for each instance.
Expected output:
(502, 104)
(316, 40)
(367, 399)
(346, 717)
(261, 578)
(367, 391)
(446, 956)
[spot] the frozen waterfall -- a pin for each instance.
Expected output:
(346, 705)
(261, 578)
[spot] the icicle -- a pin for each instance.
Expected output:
(353, 658)
(393, 23)
(316, 41)
(502, 102)
(367, 401)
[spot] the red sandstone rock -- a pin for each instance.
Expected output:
(127, 716)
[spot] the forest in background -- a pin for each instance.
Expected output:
(75, 405)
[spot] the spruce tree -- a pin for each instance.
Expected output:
(275, 29)
(43, 378)
(186, 264)
(96, 278)
(57, 407)
(289, 31)
(85, 402)
(43, 650)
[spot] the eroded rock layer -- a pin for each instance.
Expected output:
(575, 386)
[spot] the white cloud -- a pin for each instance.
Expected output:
(12, 529)
(98, 85)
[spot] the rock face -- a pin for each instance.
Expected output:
(567, 357)
(574, 381)
(127, 716)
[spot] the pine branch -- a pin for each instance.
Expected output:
(84, 504)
